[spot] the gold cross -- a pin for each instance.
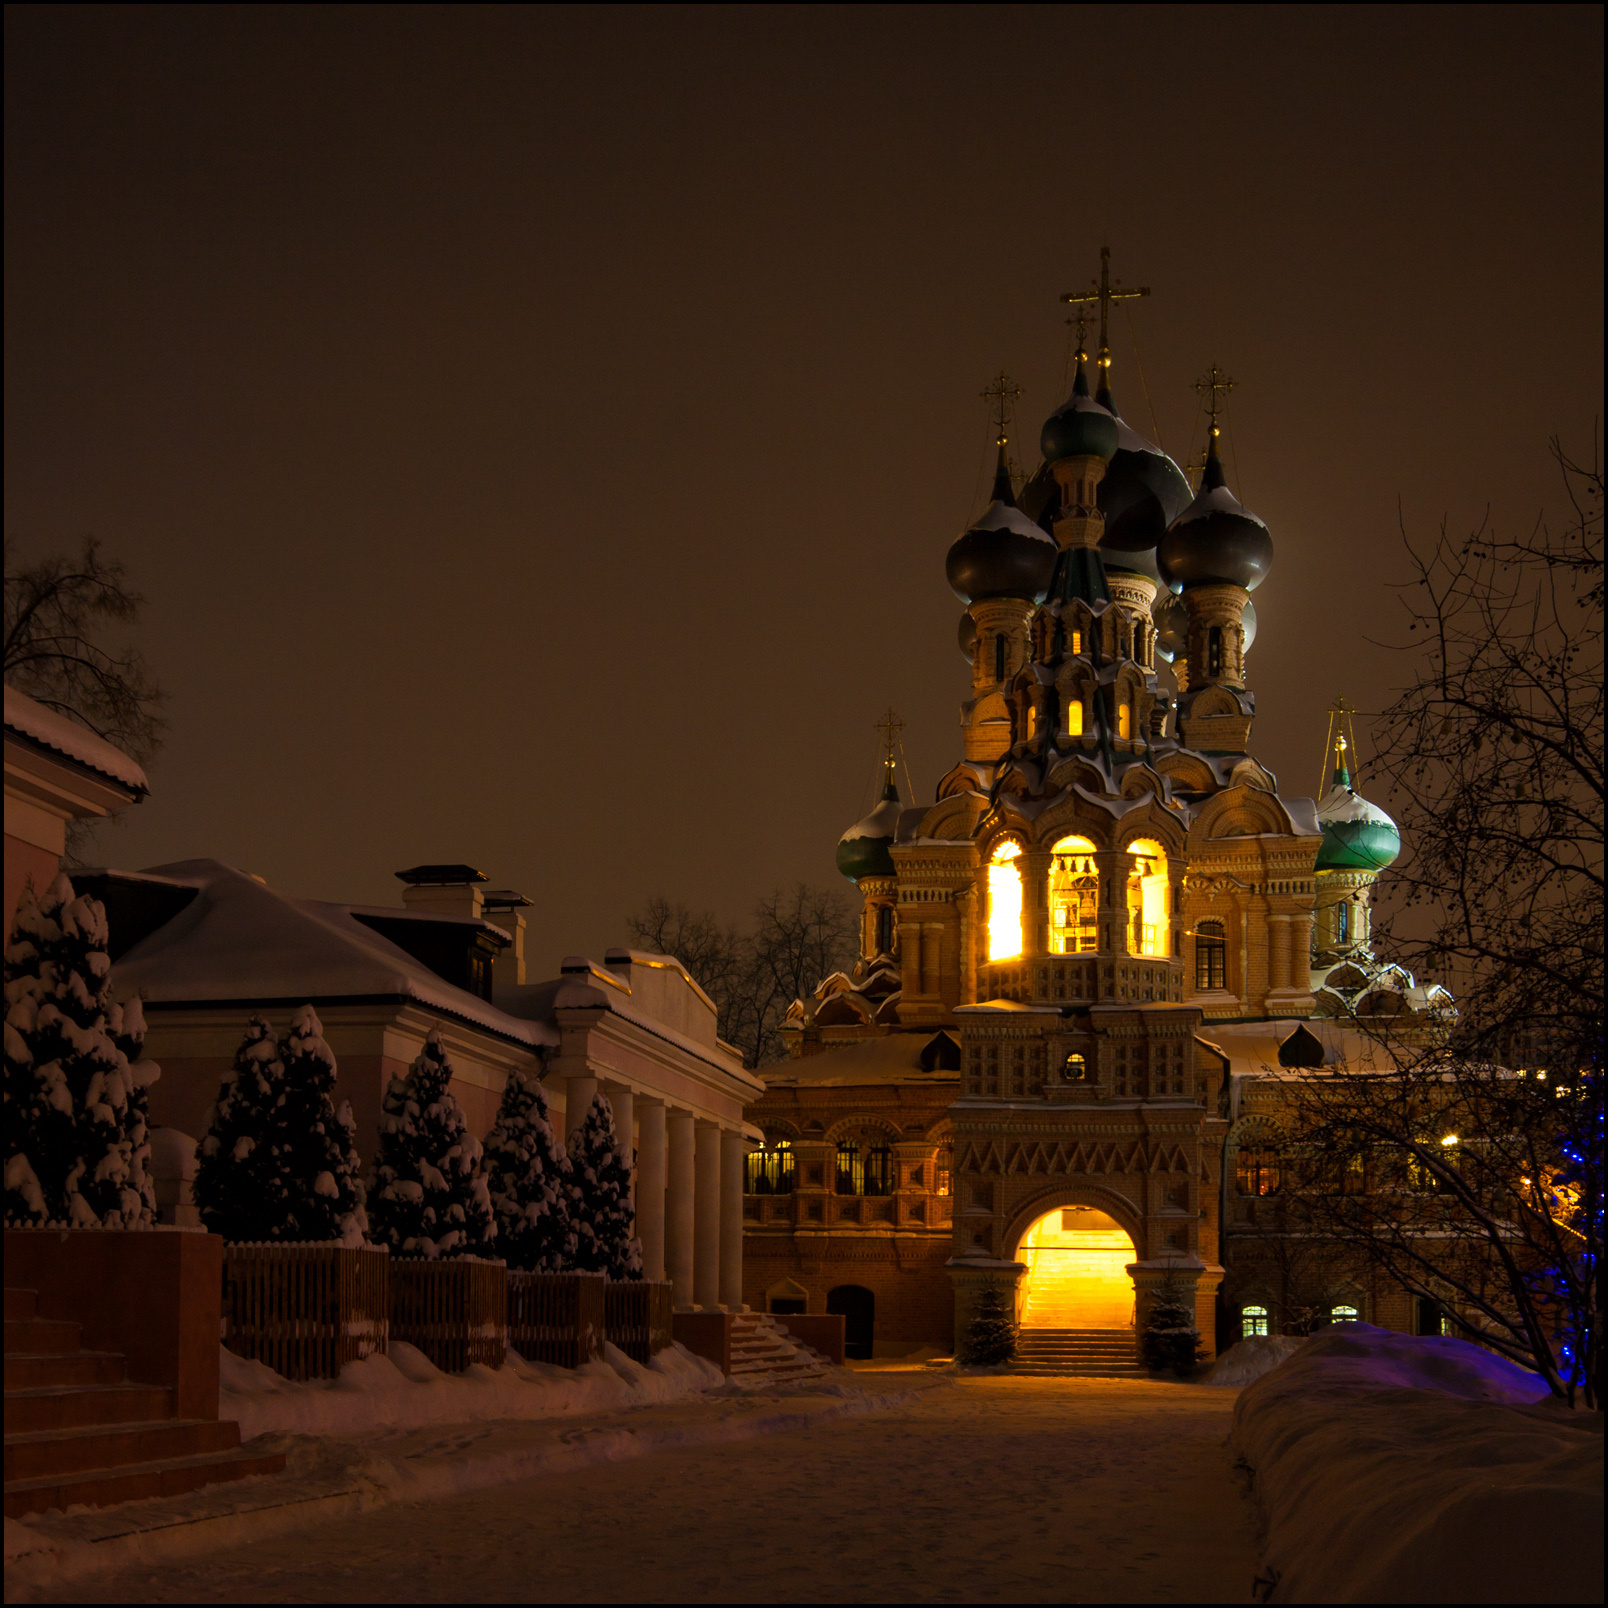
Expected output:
(890, 726)
(1208, 385)
(1001, 392)
(1105, 292)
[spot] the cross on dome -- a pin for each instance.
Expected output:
(1106, 290)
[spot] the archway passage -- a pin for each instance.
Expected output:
(1076, 1274)
(858, 1307)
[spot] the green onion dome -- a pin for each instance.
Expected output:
(1005, 554)
(1357, 835)
(1080, 427)
(862, 851)
(1215, 540)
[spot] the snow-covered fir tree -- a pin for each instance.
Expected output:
(528, 1176)
(231, 1160)
(1170, 1341)
(991, 1334)
(428, 1194)
(127, 1022)
(71, 1155)
(601, 1208)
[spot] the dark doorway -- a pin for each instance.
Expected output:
(858, 1308)
(784, 1304)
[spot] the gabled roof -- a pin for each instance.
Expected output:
(27, 717)
(239, 940)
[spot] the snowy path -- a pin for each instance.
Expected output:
(992, 1490)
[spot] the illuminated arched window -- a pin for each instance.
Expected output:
(943, 1171)
(1077, 642)
(864, 1168)
(1342, 922)
(770, 1171)
(1074, 897)
(1032, 719)
(1256, 1170)
(1211, 956)
(1253, 1321)
(1344, 1314)
(1074, 717)
(1147, 897)
(1005, 903)
(1076, 1069)
(1124, 719)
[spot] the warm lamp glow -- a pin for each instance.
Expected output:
(1074, 895)
(1147, 898)
(1074, 718)
(1005, 903)
(1124, 720)
(1450, 1139)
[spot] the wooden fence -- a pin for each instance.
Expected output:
(306, 1310)
(637, 1317)
(557, 1317)
(454, 1311)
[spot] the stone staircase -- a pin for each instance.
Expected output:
(77, 1430)
(1093, 1353)
(764, 1353)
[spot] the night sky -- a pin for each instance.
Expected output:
(539, 432)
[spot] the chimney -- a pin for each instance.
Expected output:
(442, 890)
(502, 908)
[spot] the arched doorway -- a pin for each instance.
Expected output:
(1076, 1278)
(858, 1307)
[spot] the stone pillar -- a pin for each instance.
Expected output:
(678, 1206)
(1035, 864)
(624, 1103)
(706, 1217)
(731, 1219)
(651, 1158)
(969, 1276)
(578, 1092)
(932, 959)
(1300, 977)
(1112, 866)
(966, 902)
(1278, 952)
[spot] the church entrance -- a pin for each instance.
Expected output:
(858, 1307)
(1076, 1258)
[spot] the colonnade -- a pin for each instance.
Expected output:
(689, 1191)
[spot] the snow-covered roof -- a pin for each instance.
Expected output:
(62, 735)
(888, 1058)
(240, 940)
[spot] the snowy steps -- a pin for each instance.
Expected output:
(762, 1352)
(1091, 1353)
(78, 1430)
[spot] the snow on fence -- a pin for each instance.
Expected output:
(558, 1317)
(306, 1309)
(637, 1317)
(454, 1310)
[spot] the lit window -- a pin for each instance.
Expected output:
(1077, 642)
(1076, 1069)
(1253, 1320)
(1124, 720)
(1211, 956)
(1074, 717)
(1074, 889)
(1342, 922)
(942, 1170)
(770, 1171)
(1032, 720)
(1344, 1314)
(1147, 897)
(1005, 903)
(1256, 1171)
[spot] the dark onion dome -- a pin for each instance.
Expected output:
(1357, 835)
(1142, 562)
(1142, 492)
(1248, 623)
(1171, 620)
(966, 635)
(1215, 541)
(1004, 554)
(862, 851)
(1080, 427)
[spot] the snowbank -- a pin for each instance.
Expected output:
(1392, 1468)
(1247, 1360)
(405, 1390)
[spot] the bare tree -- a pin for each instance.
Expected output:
(798, 937)
(1470, 1166)
(57, 612)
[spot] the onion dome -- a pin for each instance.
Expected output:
(1357, 835)
(1142, 492)
(1215, 541)
(1248, 623)
(1171, 620)
(862, 851)
(1080, 427)
(1004, 554)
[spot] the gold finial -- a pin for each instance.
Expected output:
(1338, 744)
(1106, 290)
(1001, 393)
(1213, 381)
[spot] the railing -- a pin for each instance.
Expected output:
(638, 1316)
(455, 1311)
(557, 1317)
(306, 1310)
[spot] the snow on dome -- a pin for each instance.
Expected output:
(1357, 835)
(1003, 554)
(1215, 540)
(1141, 493)
(862, 851)
(31, 719)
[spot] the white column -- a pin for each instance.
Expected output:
(678, 1206)
(731, 1219)
(706, 1213)
(578, 1094)
(650, 1187)
(624, 1103)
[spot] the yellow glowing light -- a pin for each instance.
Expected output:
(1450, 1139)
(1124, 720)
(1147, 898)
(1005, 903)
(1074, 717)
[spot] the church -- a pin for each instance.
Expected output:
(1085, 963)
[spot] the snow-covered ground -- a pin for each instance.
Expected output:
(405, 1390)
(1393, 1468)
